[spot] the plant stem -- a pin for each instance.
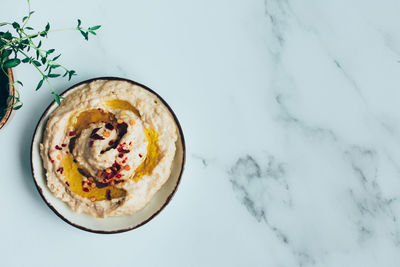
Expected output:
(29, 16)
(34, 35)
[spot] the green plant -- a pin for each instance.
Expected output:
(22, 44)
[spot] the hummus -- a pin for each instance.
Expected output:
(108, 148)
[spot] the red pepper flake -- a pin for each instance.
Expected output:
(63, 145)
(91, 143)
(130, 143)
(108, 194)
(72, 133)
(52, 160)
(124, 161)
(60, 170)
(118, 175)
(67, 183)
(58, 148)
(121, 150)
(85, 189)
(121, 155)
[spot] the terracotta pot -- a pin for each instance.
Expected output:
(7, 117)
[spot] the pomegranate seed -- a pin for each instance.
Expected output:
(63, 145)
(58, 148)
(72, 133)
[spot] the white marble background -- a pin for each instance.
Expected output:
(291, 116)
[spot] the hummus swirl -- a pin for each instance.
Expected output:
(108, 148)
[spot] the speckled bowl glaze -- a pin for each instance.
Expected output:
(113, 224)
(7, 117)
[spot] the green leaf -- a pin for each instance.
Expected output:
(18, 106)
(55, 66)
(94, 28)
(57, 98)
(29, 28)
(20, 83)
(7, 35)
(92, 32)
(16, 25)
(6, 53)
(44, 60)
(85, 34)
(30, 13)
(54, 75)
(40, 44)
(25, 42)
(24, 18)
(37, 63)
(26, 60)
(47, 27)
(39, 85)
(70, 74)
(55, 58)
(79, 23)
(11, 63)
(48, 52)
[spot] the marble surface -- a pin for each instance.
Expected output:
(290, 112)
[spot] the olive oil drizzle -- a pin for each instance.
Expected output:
(73, 172)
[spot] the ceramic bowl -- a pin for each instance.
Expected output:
(112, 224)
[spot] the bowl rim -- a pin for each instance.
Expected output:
(170, 196)
(11, 91)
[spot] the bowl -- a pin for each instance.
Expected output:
(107, 225)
